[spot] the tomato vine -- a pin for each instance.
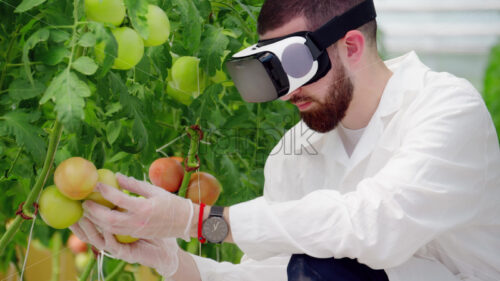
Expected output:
(57, 100)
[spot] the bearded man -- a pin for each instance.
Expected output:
(399, 182)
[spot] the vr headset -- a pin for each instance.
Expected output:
(275, 67)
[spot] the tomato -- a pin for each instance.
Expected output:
(186, 75)
(107, 177)
(178, 95)
(57, 210)
(158, 26)
(76, 245)
(130, 48)
(82, 260)
(166, 173)
(221, 77)
(124, 238)
(105, 11)
(178, 159)
(76, 177)
(203, 186)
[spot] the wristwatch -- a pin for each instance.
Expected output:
(215, 228)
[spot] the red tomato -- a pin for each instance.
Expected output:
(166, 173)
(204, 188)
(76, 245)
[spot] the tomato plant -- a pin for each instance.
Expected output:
(63, 94)
(166, 173)
(57, 210)
(203, 188)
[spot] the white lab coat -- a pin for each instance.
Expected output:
(419, 197)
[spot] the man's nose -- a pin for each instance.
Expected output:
(288, 96)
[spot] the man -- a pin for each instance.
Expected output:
(401, 182)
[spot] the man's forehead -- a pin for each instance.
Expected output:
(295, 24)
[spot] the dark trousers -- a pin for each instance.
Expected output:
(305, 268)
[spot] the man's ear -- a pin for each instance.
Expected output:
(354, 44)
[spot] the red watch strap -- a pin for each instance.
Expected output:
(200, 224)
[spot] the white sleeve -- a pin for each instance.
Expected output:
(271, 269)
(434, 182)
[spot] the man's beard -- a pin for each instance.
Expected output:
(327, 115)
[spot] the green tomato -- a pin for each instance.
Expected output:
(187, 75)
(107, 177)
(130, 48)
(178, 95)
(105, 11)
(158, 26)
(57, 210)
(126, 239)
(82, 260)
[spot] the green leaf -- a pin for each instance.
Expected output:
(87, 40)
(113, 108)
(191, 23)
(204, 7)
(117, 157)
(37, 37)
(85, 65)
(27, 5)
(134, 108)
(103, 35)
(55, 55)
(68, 91)
(21, 89)
(113, 130)
(212, 49)
(17, 123)
(137, 10)
(139, 133)
(59, 36)
(230, 174)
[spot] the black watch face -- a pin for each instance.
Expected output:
(215, 229)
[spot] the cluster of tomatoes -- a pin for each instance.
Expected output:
(185, 80)
(76, 178)
(168, 174)
(130, 43)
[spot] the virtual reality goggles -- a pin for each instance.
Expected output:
(275, 67)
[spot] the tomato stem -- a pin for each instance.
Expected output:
(55, 136)
(88, 269)
(56, 244)
(116, 271)
(6, 175)
(192, 161)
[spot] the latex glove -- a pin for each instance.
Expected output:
(160, 254)
(159, 214)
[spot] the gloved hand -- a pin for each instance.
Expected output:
(160, 254)
(159, 214)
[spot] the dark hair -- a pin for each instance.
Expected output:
(275, 13)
